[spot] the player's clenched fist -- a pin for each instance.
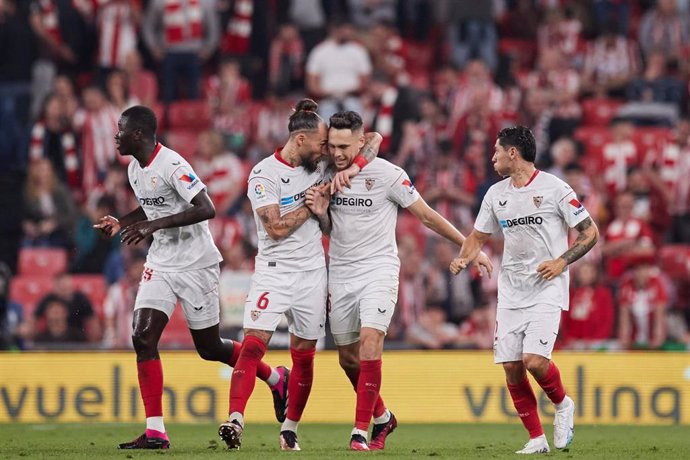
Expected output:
(108, 226)
(551, 268)
(318, 198)
(458, 264)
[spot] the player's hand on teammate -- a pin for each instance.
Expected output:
(137, 232)
(459, 264)
(343, 179)
(550, 269)
(108, 226)
(318, 198)
(483, 260)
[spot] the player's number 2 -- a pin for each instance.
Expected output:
(262, 303)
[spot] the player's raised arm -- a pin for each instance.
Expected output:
(202, 209)
(588, 235)
(471, 250)
(342, 179)
(280, 227)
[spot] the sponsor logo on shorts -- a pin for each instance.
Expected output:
(255, 314)
(543, 342)
(382, 311)
(155, 201)
(197, 308)
(529, 220)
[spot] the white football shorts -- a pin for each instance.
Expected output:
(301, 296)
(525, 330)
(363, 303)
(197, 291)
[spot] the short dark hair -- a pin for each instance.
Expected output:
(143, 118)
(346, 119)
(304, 116)
(522, 139)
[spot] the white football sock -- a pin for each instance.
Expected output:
(384, 418)
(155, 423)
(236, 416)
(289, 425)
(273, 378)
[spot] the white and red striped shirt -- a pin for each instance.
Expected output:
(98, 145)
(222, 175)
(117, 29)
(384, 118)
(616, 158)
(239, 30)
(50, 20)
(675, 171)
(69, 151)
(606, 62)
(182, 20)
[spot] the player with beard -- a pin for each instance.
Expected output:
(290, 270)
(182, 264)
(364, 267)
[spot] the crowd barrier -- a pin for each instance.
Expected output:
(419, 386)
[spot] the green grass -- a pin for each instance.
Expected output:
(320, 441)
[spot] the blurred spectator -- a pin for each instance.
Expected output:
(655, 85)
(643, 302)
(665, 29)
(338, 71)
(116, 23)
(223, 173)
(522, 21)
(118, 306)
(141, 83)
(611, 62)
(563, 153)
(478, 330)
(118, 93)
(80, 314)
(271, 129)
(394, 110)
(52, 138)
(591, 199)
(537, 115)
(472, 32)
(431, 330)
(57, 326)
(17, 43)
(310, 18)
(389, 53)
(116, 188)
(366, 14)
(411, 297)
(475, 84)
(618, 156)
(671, 177)
(455, 295)
(286, 64)
(591, 317)
(650, 205)
(228, 89)
(561, 30)
(92, 251)
(432, 131)
(98, 125)
(449, 187)
(626, 238)
(11, 314)
(64, 89)
(48, 208)
(607, 12)
(182, 35)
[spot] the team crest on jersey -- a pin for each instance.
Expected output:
(369, 183)
(537, 200)
(255, 314)
(154, 182)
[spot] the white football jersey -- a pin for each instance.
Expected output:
(166, 186)
(274, 181)
(364, 218)
(535, 221)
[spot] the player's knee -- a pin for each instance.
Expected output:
(208, 354)
(143, 341)
(515, 372)
(535, 364)
(349, 362)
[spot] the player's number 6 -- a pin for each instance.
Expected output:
(262, 303)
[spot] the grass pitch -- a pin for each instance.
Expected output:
(321, 441)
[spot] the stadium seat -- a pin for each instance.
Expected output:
(42, 261)
(28, 290)
(159, 109)
(651, 139)
(599, 111)
(176, 334)
(593, 139)
(193, 115)
(675, 261)
(183, 141)
(93, 287)
(225, 231)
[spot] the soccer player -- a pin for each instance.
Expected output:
(364, 267)
(290, 274)
(535, 210)
(182, 264)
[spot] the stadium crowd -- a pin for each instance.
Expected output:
(603, 84)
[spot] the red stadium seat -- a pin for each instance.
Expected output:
(29, 290)
(189, 115)
(599, 112)
(159, 109)
(183, 141)
(42, 261)
(593, 139)
(93, 287)
(176, 334)
(675, 261)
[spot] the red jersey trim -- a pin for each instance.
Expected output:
(279, 158)
(155, 152)
(536, 171)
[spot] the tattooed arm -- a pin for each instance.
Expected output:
(587, 237)
(372, 142)
(280, 227)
